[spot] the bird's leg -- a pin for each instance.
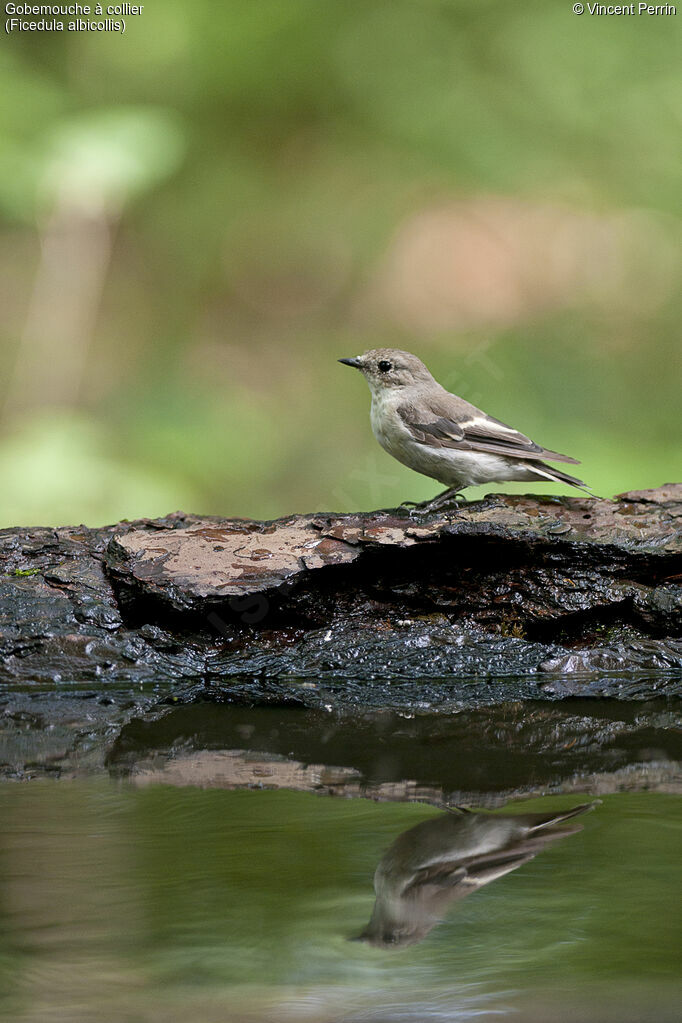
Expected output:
(440, 500)
(436, 502)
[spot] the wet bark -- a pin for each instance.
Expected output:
(512, 597)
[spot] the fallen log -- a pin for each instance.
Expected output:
(504, 598)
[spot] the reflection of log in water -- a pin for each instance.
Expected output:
(246, 769)
(443, 860)
(475, 757)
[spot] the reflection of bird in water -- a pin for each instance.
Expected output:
(449, 857)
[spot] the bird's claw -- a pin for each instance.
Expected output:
(435, 504)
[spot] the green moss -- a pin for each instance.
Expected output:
(513, 628)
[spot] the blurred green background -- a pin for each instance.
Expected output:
(201, 215)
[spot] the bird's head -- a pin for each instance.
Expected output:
(397, 924)
(392, 937)
(388, 368)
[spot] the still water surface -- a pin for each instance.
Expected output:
(160, 903)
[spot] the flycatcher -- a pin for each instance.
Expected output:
(448, 857)
(443, 436)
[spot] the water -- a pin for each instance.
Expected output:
(136, 901)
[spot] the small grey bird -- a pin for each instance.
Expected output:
(443, 436)
(449, 857)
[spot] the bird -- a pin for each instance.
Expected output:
(446, 858)
(441, 435)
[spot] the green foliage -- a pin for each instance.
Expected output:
(255, 170)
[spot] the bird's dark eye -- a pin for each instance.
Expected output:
(384, 366)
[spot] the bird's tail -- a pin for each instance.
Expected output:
(537, 821)
(558, 476)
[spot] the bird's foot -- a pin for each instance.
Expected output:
(435, 504)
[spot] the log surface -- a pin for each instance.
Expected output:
(505, 598)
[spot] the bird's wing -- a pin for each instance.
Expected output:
(443, 874)
(461, 876)
(444, 421)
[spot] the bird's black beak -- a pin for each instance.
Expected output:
(355, 363)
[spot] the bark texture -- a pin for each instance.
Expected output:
(508, 597)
